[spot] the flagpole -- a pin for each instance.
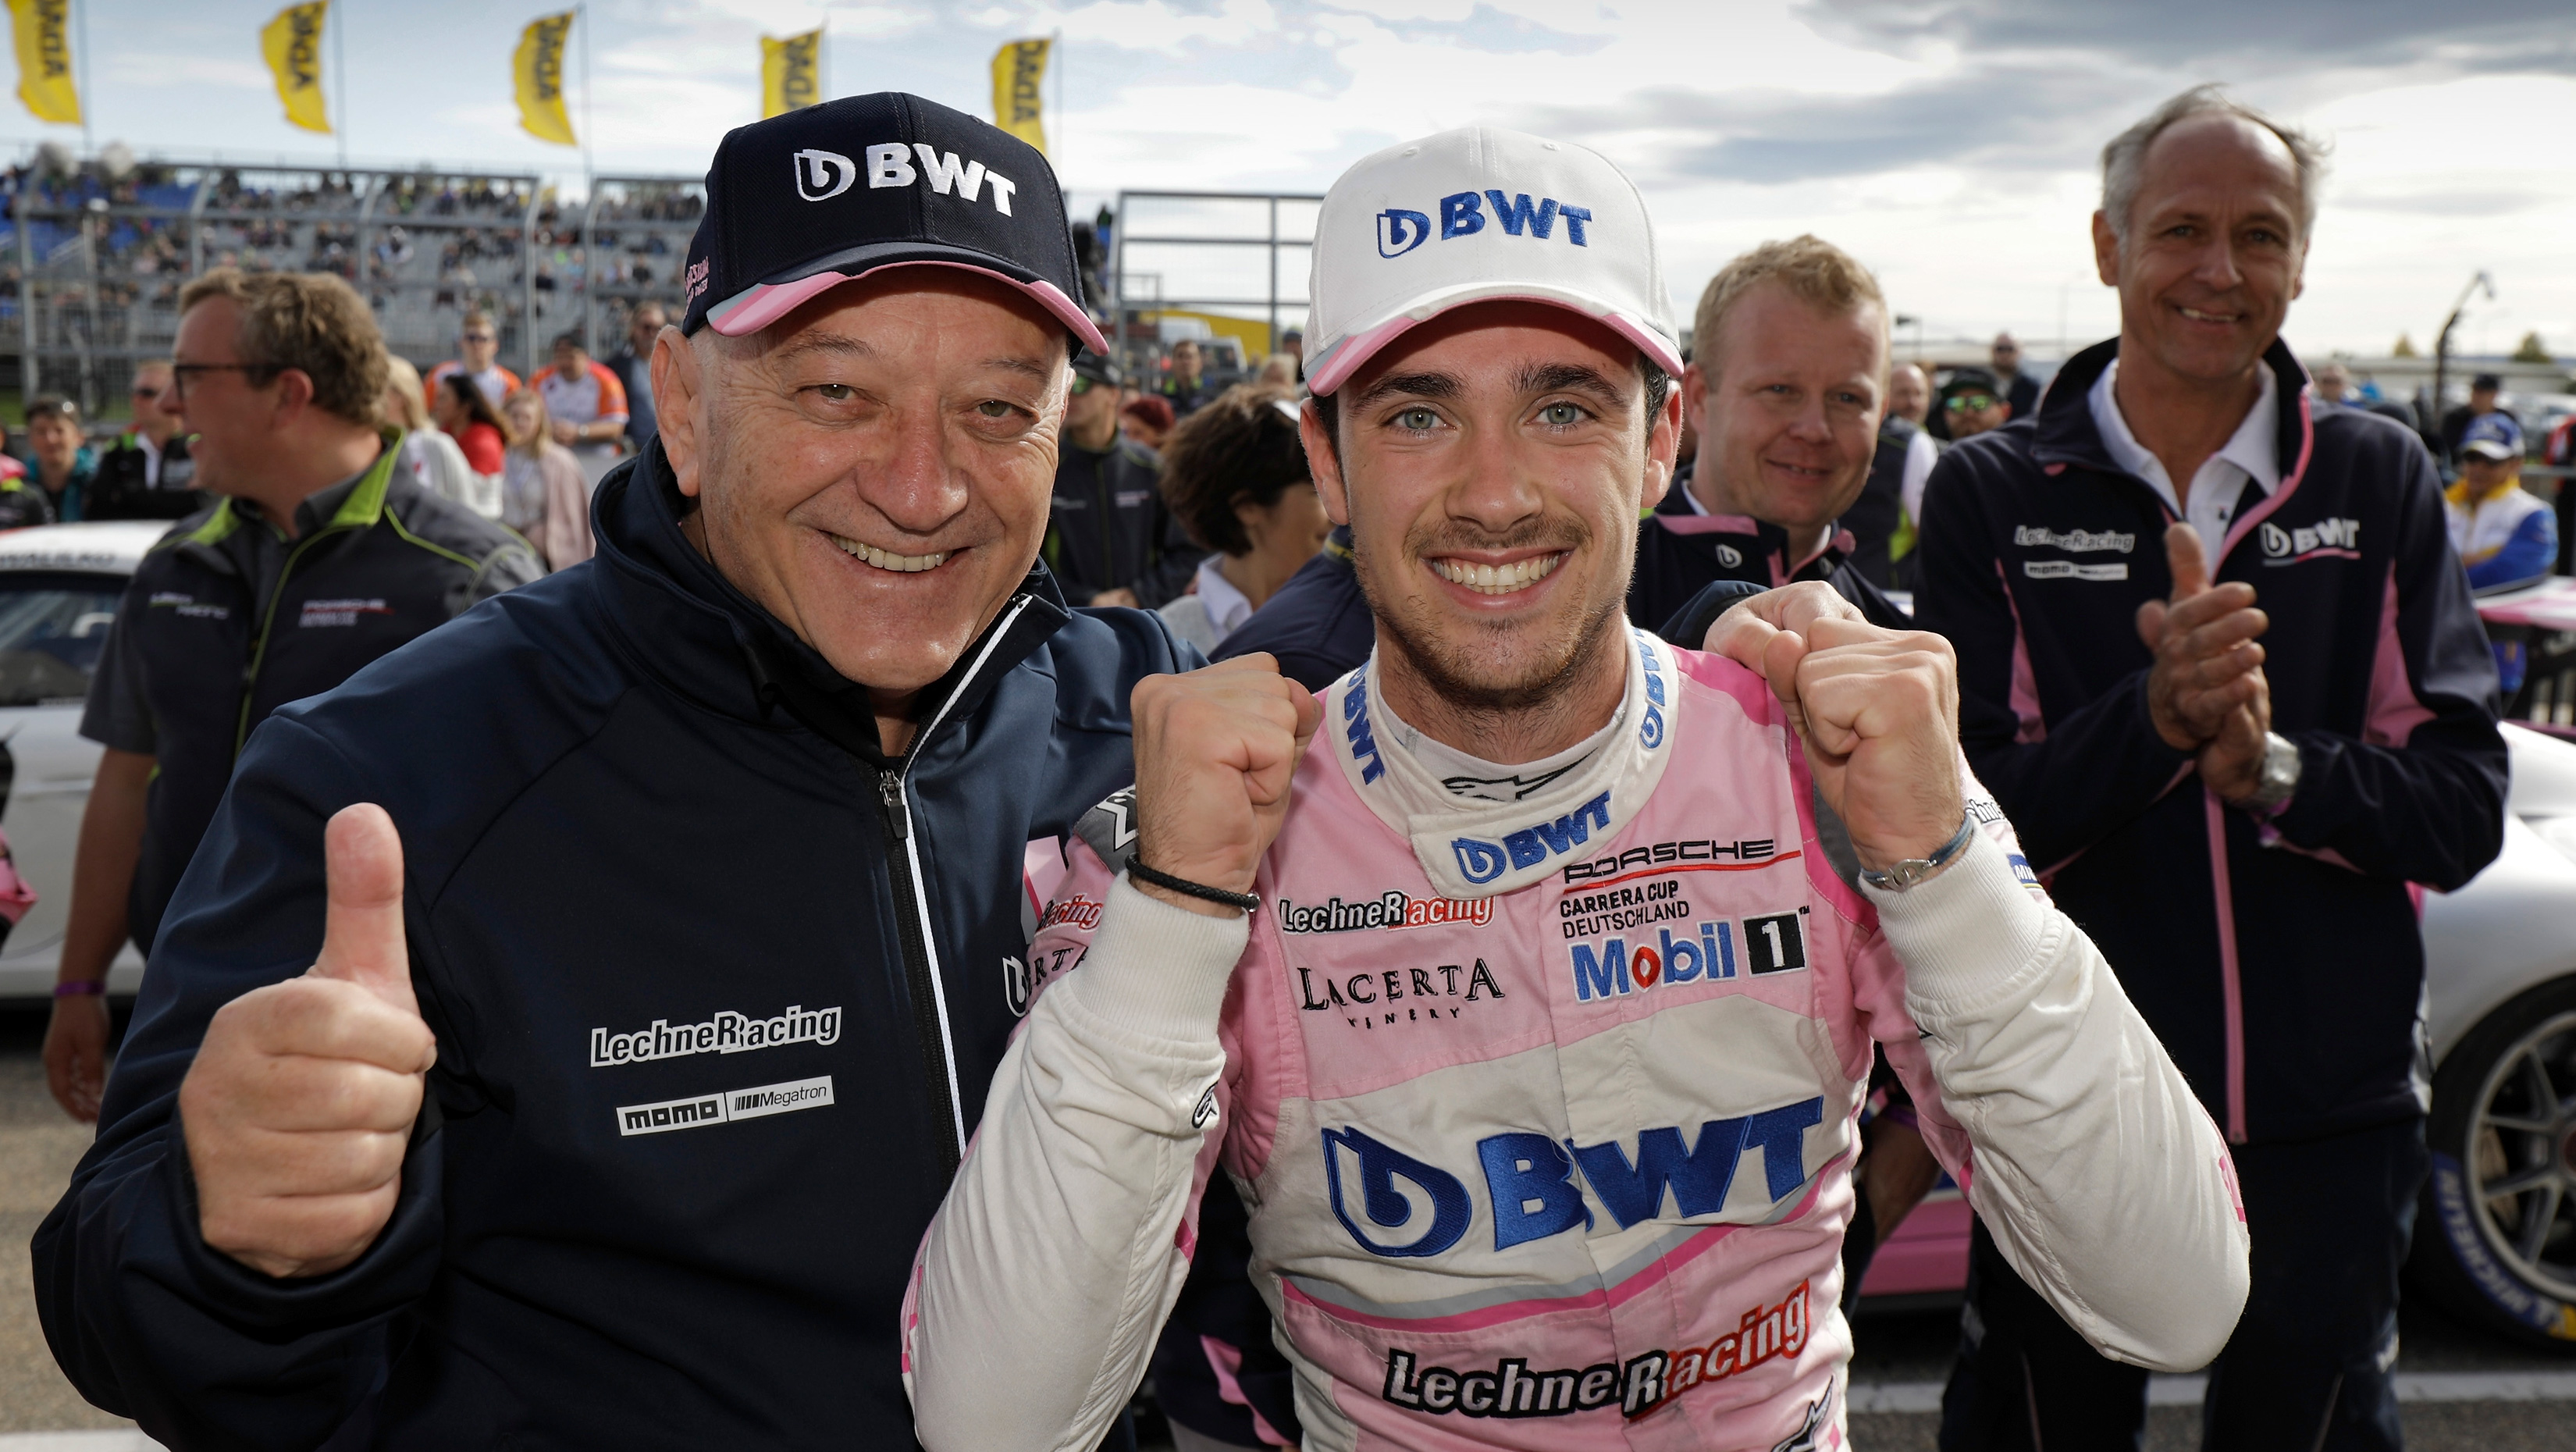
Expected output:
(581, 22)
(82, 63)
(338, 18)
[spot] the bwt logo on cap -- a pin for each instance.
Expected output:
(1462, 214)
(823, 175)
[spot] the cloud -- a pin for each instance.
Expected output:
(2015, 116)
(2177, 32)
(125, 68)
(1495, 32)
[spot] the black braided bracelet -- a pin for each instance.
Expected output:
(1244, 900)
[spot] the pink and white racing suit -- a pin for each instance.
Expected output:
(1545, 1111)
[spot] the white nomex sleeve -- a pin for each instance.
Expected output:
(2100, 1176)
(1054, 1261)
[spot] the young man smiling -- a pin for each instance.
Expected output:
(1537, 1061)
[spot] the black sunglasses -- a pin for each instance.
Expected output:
(1971, 403)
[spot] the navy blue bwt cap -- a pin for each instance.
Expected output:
(803, 202)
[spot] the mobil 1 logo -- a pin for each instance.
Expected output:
(1776, 942)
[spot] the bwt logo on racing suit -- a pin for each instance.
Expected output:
(2327, 538)
(1396, 909)
(1483, 861)
(1640, 1385)
(1355, 728)
(1530, 1179)
(1462, 214)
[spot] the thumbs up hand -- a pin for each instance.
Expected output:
(301, 1100)
(2208, 662)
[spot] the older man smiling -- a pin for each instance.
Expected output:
(624, 1081)
(2233, 800)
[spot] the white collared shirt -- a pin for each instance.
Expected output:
(2215, 490)
(1227, 607)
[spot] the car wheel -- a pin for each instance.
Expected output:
(2495, 1238)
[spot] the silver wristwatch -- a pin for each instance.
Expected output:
(1901, 875)
(2279, 776)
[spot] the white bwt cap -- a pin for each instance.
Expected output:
(1475, 215)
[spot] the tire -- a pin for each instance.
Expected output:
(2504, 1114)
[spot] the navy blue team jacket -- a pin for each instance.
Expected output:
(1680, 552)
(718, 990)
(2279, 961)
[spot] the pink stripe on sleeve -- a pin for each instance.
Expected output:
(2229, 985)
(2395, 709)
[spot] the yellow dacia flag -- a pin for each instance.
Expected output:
(43, 30)
(791, 73)
(1018, 67)
(293, 45)
(536, 71)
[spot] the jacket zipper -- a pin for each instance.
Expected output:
(921, 969)
(267, 623)
(2231, 992)
(912, 914)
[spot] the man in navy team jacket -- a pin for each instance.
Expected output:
(2233, 783)
(706, 898)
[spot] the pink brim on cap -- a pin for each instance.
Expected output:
(758, 306)
(1345, 359)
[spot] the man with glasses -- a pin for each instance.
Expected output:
(480, 342)
(145, 472)
(1109, 539)
(1972, 403)
(321, 558)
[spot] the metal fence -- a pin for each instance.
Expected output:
(98, 259)
(1227, 253)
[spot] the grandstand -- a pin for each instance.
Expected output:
(98, 250)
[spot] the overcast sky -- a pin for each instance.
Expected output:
(1951, 144)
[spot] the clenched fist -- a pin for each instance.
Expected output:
(1215, 751)
(301, 1100)
(1745, 630)
(1878, 713)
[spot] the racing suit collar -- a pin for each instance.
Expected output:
(1471, 848)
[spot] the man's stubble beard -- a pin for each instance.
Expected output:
(1455, 674)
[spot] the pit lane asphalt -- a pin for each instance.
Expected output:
(39, 1146)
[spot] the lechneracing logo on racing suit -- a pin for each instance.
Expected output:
(1639, 1385)
(1393, 909)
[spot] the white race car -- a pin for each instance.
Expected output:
(59, 587)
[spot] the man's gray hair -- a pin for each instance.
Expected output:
(2124, 161)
